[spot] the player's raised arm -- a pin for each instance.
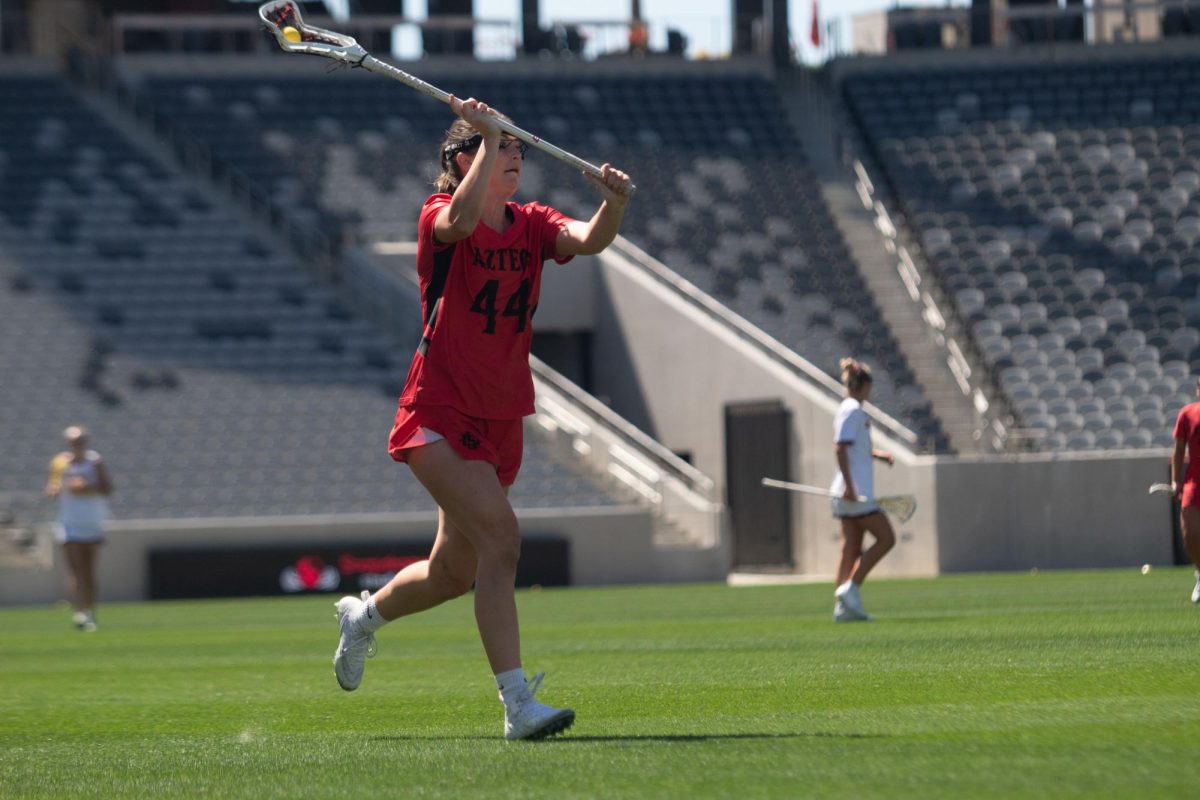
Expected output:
(579, 238)
(457, 220)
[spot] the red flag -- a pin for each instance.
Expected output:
(815, 33)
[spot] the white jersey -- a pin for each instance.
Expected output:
(81, 517)
(851, 426)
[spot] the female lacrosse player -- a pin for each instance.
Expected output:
(855, 482)
(459, 422)
(80, 482)
(1187, 491)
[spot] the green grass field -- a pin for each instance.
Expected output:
(1076, 684)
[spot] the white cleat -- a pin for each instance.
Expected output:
(529, 719)
(354, 647)
(843, 614)
(850, 601)
(1196, 591)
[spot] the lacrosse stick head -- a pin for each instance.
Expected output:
(279, 14)
(902, 506)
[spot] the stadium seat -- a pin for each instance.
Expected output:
(1108, 175)
(1139, 437)
(1081, 440)
(722, 171)
(223, 379)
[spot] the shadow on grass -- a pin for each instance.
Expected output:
(672, 738)
(707, 737)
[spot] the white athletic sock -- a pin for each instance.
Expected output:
(369, 620)
(512, 685)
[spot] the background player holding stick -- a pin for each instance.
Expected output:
(855, 479)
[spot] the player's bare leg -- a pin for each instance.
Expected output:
(885, 539)
(852, 540)
(857, 563)
(1189, 522)
(81, 582)
(447, 573)
(476, 508)
(847, 606)
(470, 494)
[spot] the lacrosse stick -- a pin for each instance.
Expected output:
(1160, 488)
(282, 18)
(900, 506)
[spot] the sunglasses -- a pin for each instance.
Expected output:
(476, 140)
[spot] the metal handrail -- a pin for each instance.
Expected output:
(647, 446)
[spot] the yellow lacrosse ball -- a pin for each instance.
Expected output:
(291, 34)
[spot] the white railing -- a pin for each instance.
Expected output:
(683, 499)
(988, 422)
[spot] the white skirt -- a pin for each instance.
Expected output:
(81, 519)
(76, 532)
(849, 509)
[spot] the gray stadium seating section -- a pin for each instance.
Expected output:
(218, 378)
(726, 197)
(1059, 205)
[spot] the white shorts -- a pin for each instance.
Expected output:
(424, 436)
(849, 509)
(88, 533)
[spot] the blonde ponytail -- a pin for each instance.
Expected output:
(854, 374)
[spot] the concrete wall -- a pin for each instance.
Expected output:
(993, 513)
(568, 298)
(607, 546)
(671, 368)
(1053, 512)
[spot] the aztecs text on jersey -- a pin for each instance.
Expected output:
(478, 298)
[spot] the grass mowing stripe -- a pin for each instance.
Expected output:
(1076, 683)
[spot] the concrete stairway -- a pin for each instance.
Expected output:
(903, 316)
(814, 116)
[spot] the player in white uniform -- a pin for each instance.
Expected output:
(855, 483)
(80, 482)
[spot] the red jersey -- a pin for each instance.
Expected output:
(478, 296)
(1187, 427)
